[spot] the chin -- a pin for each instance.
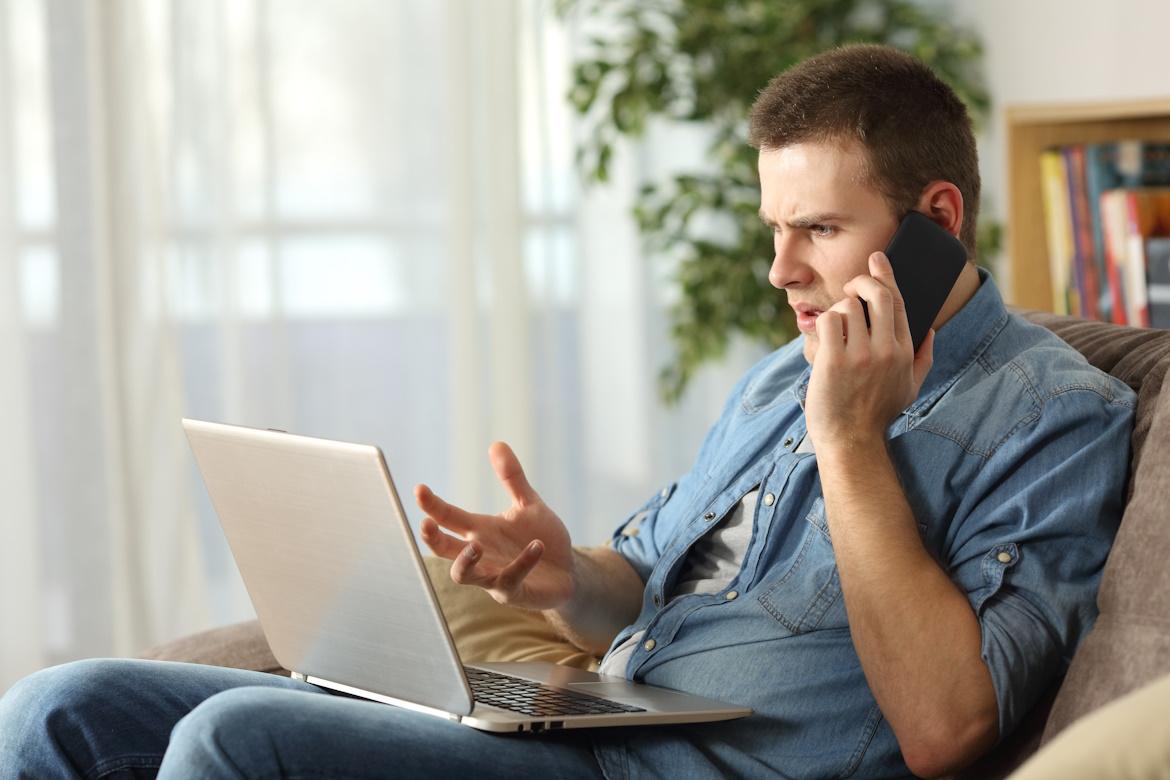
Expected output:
(810, 348)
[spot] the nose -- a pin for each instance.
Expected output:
(789, 269)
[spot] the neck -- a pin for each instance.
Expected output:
(964, 290)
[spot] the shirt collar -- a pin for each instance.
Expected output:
(962, 339)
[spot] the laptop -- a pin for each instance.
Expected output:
(332, 568)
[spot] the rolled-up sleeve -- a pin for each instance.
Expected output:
(635, 538)
(1036, 532)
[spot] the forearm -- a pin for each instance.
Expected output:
(916, 635)
(607, 596)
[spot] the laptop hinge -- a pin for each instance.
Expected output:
(406, 705)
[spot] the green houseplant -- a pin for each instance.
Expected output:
(704, 61)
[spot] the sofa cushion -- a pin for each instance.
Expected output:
(485, 630)
(482, 630)
(1139, 357)
(238, 646)
(1130, 643)
(1128, 739)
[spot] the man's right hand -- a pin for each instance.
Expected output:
(523, 556)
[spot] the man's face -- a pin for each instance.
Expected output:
(826, 222)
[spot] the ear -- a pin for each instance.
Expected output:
(943, 203)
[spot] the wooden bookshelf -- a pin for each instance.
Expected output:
(1029, 131)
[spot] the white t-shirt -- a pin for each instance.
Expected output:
(709, 567)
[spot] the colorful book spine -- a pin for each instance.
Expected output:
(1142, 163)
(1084, 266)
(1114, 210)
(1058, 224)
(1101, 174)
(1149, 215)
(1091, 275)
(1130, 218)
(1129, 163)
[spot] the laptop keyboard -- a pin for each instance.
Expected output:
(531, 698)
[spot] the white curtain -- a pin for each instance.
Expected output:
(356, 219)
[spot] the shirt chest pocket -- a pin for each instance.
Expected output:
(807, 596)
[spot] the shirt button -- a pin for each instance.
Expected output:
(709, 516)
(788, 442)
(665, 492)
(769, 500)
(657, 600)
(730, 595)
(1004, 557)
(649, 644)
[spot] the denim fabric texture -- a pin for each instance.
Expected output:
(114, 719)
(1014, 459)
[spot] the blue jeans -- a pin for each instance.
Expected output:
(133, 719)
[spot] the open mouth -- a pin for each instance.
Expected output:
(806, 319)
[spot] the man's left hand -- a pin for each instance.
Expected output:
(862, 378)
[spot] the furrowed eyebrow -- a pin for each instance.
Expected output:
(814, 219)
(805, 221)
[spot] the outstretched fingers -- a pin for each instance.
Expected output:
(441, 544)
(507, 581)
(463, 567)
(514, 573)
(447, 515)
(511, 473)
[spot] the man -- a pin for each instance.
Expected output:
(888, 555)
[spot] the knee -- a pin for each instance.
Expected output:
(226, 731)
(55, 689)
(43, 706)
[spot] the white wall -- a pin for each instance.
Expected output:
(1070, 50)
(1064, 51)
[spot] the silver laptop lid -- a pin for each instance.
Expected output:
(316, 529)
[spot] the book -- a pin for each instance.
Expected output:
(1101, 174)
(1128, 163)
(1084, 264)
(1089, 274)
(1158, 280)
(1113, 206)
(1058, 224)
(1130, 217)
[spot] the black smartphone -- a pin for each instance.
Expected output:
(927, 261)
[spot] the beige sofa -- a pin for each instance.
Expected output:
(1128, 648)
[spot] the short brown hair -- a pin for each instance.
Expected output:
(913, 127)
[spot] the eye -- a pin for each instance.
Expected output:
(824, 231)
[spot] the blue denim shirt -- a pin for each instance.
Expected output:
(1014, 459)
